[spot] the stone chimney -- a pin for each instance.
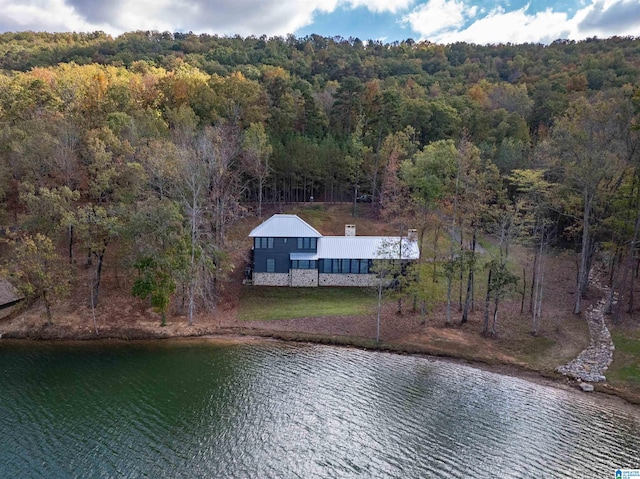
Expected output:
(412, 235)
(349, 230)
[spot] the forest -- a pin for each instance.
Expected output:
(138, 154)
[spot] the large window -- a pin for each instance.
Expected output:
(346, 266)
(263, 243)
(304, 264)
(307, 243)
(364, 266)
(271, 265)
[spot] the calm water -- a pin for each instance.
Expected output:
(174, 410)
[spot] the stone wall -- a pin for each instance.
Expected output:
(310, 278)
(305, 278)
(271, 279)
(334, 279)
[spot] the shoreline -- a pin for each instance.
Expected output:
(247, 335)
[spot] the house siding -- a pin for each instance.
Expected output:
(282, 247)
(260, 262)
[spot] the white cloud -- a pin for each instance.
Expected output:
(442, 21)
(50, 15)
(224, 17)
(380, 6)
(437, 16)
(517, 26)
(608, 18)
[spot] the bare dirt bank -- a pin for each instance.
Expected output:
(408, 333)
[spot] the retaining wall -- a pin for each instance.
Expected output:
(271, 279)
(305, 278)
(333, 279)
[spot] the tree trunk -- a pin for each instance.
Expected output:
(583, 272)
(465, 313)
(98, 276)
(379, 310)
(47, 307)
(537, 287)
(436, 236)
(461, 273)
(449, 288)
(495, 316)
(468, 298)
(260, 187)
(70, 244)
(524, 289)
(485, 325)
(536, 258)
(537, 309)
(192, 272)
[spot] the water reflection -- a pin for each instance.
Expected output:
(279, 411)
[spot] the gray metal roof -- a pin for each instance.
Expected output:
(367, 247)
(303, 256)
(8, 294)
(336, 247)
(285, 226)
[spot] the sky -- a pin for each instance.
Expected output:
(437, 21)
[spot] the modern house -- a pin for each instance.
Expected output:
(287, 251)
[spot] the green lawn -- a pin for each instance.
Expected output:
(267, 303)
(626, 358)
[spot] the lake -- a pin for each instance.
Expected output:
(187, 409)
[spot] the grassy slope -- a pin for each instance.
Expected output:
(625, 368)
(272, 303)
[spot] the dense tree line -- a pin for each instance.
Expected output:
(146, 148)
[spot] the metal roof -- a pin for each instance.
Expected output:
(303, 256)
(285, 226)
(336, 247)
(8, 294)
(367, 247)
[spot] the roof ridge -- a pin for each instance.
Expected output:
(262, 227)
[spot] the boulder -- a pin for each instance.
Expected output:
(586, 387)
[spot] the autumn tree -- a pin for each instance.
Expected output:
(115, 183)
(394, 196)
(532, 194)
(479, 190)
(500, 282)
(428, 176)
(587, 141)
(161, 251)
(37, 269)
(256, 150)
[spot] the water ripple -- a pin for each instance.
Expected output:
(291, 411)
